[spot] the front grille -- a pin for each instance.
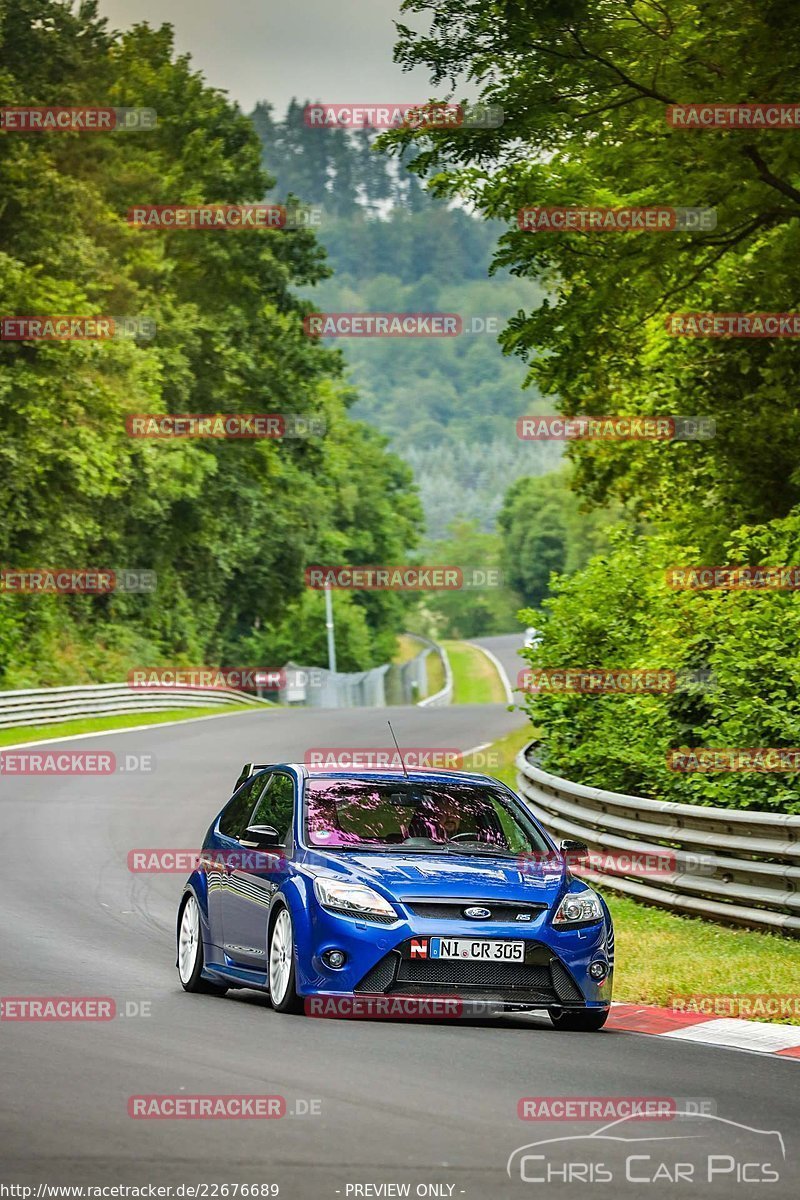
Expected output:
(565, 986)
(454, 973)
(541, 980)
(503, 912)
(381, 975)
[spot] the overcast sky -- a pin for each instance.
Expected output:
(337, 50)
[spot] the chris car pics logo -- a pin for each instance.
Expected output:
(698, 1150)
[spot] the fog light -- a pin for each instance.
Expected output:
(334, 959)
(598, 970)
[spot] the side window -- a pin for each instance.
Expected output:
(236, 814)
(276, 805)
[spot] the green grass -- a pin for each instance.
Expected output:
(35, 733)
(661, 956)
(475, 678)
(435, 669)
(408, 647)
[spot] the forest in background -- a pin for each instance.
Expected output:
(228, 527)
(586, 89)
(449, 406)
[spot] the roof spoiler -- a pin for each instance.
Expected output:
(250, 769)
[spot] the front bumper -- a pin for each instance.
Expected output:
(541, 981)
(379, 962)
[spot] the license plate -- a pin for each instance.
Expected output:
(484, 951)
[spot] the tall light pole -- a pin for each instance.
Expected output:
(329, 627)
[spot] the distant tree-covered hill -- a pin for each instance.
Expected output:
(448, 405)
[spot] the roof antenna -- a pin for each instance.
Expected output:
(405, 772)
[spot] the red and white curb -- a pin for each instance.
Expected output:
(731, 1032)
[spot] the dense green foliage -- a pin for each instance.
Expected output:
(227, 526)
(585, 87)
(468, 613)
(618, 612)
(449, 406)
(545, 529)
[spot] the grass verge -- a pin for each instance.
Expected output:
(408, 647)
(661, 957)
(35, 733)
(475, 678)
(435, 669)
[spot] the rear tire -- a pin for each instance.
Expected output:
(282, 991)
(190, 952)
(585, 1021)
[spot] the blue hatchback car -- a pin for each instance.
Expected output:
(377, 884)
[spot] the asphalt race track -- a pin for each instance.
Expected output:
(505, 647)
(418, 1103)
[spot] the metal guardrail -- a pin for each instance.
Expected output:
(733, 865)
(312, 686)
(40, 706)
(391, 683)
(445, 695)
(316, 687)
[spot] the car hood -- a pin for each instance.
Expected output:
(460, 876)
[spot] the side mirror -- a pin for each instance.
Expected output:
(574, 851)
(260, 836)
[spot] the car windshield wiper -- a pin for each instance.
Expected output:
(388, 848)
(466, 848)
(438, 848)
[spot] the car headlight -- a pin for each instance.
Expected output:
(352, 899)
(577, 907)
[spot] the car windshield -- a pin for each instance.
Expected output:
(444, 817)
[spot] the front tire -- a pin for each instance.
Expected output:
(282, 990)
(190, 952)
(586, 1021)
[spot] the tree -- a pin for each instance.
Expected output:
(546, 530)
(585, 87)
(228, 527)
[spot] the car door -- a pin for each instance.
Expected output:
(256, 874)
(223, 846)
